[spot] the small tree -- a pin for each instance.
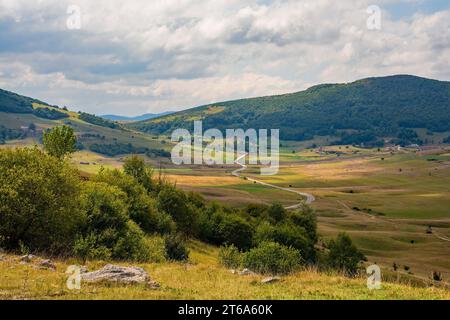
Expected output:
(344, 255)
(60, 141)
(135, 167)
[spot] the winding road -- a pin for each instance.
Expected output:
(309, 197)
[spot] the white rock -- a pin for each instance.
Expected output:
(118, 274)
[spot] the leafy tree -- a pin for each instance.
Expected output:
(60, 141)
(343, 255)
(135, 167)
(39, 201)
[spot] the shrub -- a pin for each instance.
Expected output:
(287, 234)
(209, 221)
(86, 248)
(175, 203)
(235, 230)
(156, 249)
(176, 248)
(344, 255)
(108, 220)
(276, 212)
(136, 168)
(230, 257)
(39, 197)
(141, 207)
(272, 258)
(132, 245)
(307, 219)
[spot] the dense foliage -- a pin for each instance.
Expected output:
(14, 103)
(39, 201)
(344, 255)
(272, 258)
(10, 134)
(117, 148)
(59, 141)
(374, 107)
(45, 206)
(51, 114)
(92, 119)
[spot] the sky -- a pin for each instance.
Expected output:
(139, 56)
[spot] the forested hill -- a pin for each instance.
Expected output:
(14, 103)
(375, 107)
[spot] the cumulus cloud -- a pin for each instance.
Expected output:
(139, 56)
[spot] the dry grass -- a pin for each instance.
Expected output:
(203, 278)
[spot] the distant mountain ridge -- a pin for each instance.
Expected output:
(372, 108)
(143, 117)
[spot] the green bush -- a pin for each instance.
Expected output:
(141, 207)
(156, 247)
(306, 218)
(216, 226)
(276, 212)
(86, 248)
(136, 168)
(343, 255)
(272, 258)
(176, 248)
(132, 245)
(235, 230)
(230, 257)
(176, 204)
(39, 201)
(107, 218)
(287, 234)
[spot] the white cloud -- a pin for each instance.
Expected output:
(139, 56)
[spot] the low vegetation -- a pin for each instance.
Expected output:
(10, 134)
(90, 118)
(117, 148)
(47, 208)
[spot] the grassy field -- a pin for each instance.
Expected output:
(385, 205)
(201, 278)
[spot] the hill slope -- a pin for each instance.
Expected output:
(376, 107)
(25, 118)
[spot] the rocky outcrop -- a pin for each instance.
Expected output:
(121, 275)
